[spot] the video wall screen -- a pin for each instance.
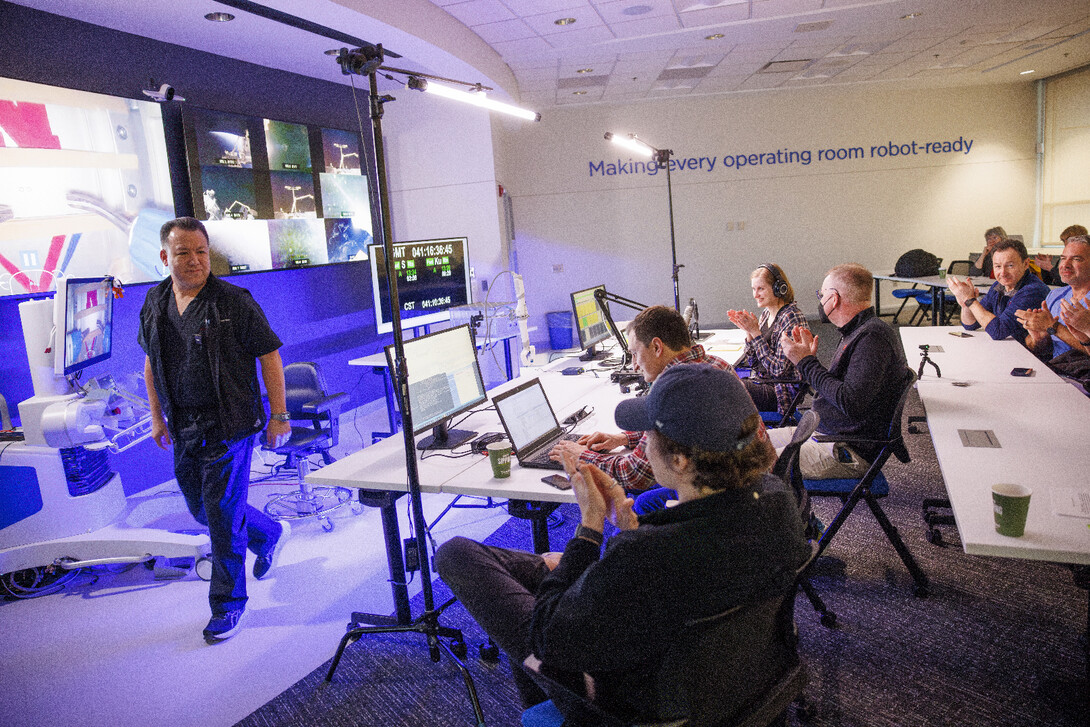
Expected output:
(432, 277)
(276, 194)
(84, 187)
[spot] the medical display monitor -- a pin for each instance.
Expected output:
(444, 381)
(84, 322)
(432, 277)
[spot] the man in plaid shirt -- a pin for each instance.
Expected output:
(658, 338)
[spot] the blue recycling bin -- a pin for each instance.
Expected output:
(560, 328)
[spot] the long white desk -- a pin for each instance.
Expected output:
(973, 360)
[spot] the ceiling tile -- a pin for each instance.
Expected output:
(782, 8)
(479, 12)
(646, 26)
(503, 31)
(580, 38)
(715, 16)
(585, 17)
(622, 11)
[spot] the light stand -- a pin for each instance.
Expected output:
(367, 61)
(661, 158)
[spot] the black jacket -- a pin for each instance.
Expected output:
(615, 618)
(861, 388)
(237, 333)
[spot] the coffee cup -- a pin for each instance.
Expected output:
(1011, 505)
(499, 456)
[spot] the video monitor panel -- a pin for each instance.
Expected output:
(590, 321)
(84, 187)
(84, 317)
(432, 277)
(304, 185)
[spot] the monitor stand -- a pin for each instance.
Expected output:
(593, 355)
(443, 438)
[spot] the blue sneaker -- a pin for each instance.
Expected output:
(266, 561)
(224, 626)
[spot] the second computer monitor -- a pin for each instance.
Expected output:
(590, 321)
(444, 381)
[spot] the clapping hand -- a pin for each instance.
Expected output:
(963, 290)
(746, 321)
(1076, 316)
(798, 344)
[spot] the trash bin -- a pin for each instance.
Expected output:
(560, 327)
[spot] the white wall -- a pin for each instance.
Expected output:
(614, 229)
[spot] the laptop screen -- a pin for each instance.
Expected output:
(526, 414)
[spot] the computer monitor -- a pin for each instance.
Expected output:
(432, 277)
(590, 322)
(83, 316)
(444, 381)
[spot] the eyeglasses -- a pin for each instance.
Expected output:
(821, 293)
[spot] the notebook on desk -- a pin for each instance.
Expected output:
(531, 424)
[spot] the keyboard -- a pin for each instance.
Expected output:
(541, 458)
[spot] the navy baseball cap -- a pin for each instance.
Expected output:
(696, 405)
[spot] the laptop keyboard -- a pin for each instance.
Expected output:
(542, 456)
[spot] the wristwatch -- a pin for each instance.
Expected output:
(1051, 330)
(969, 302)
(280, 417)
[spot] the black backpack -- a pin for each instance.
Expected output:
(917, 264)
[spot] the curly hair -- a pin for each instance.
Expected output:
(731, 469)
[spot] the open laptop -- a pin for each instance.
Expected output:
(531, 424)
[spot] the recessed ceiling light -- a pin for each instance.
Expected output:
(911, 16)
(564, 21)
(636, 10)
(578, 93)
(1026, 73)
(714, 36)
(219, 17)
(585, 70)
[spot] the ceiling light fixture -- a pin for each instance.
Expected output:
(578, 93)
(1026, 73)
(714, 36)
(564, 21)
(911, 16)
(219, 17)
(585, 70)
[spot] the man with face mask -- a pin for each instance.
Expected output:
(857, 394)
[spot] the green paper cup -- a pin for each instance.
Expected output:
(1011, 505)
(499, 456)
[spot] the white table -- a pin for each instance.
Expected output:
(973, 360)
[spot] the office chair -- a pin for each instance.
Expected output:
(788, 470)
(905, 295)
(870, 487)
(308, 401)
(722, 670)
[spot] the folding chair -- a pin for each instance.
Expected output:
(870, 487)
(704, 677)
(787, 469)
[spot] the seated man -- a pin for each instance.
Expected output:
(859, 392)
(1047, 335)
(658, 338)
(735, 538)
(1015, 288)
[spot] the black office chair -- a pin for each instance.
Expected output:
(726, 669)
(870, 487)
(308, 402)
(787, 469)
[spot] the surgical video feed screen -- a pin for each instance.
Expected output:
(303, 200)
(88, 320)
(84, 187)
(288, 146)
(432, 276)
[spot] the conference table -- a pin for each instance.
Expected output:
(938, 286)
(990, 427)
(379, 471)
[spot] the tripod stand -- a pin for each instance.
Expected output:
(366, 61)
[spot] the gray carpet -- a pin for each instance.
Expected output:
(996, 643)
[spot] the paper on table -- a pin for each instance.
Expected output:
(1069, 501)
(725, 347)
